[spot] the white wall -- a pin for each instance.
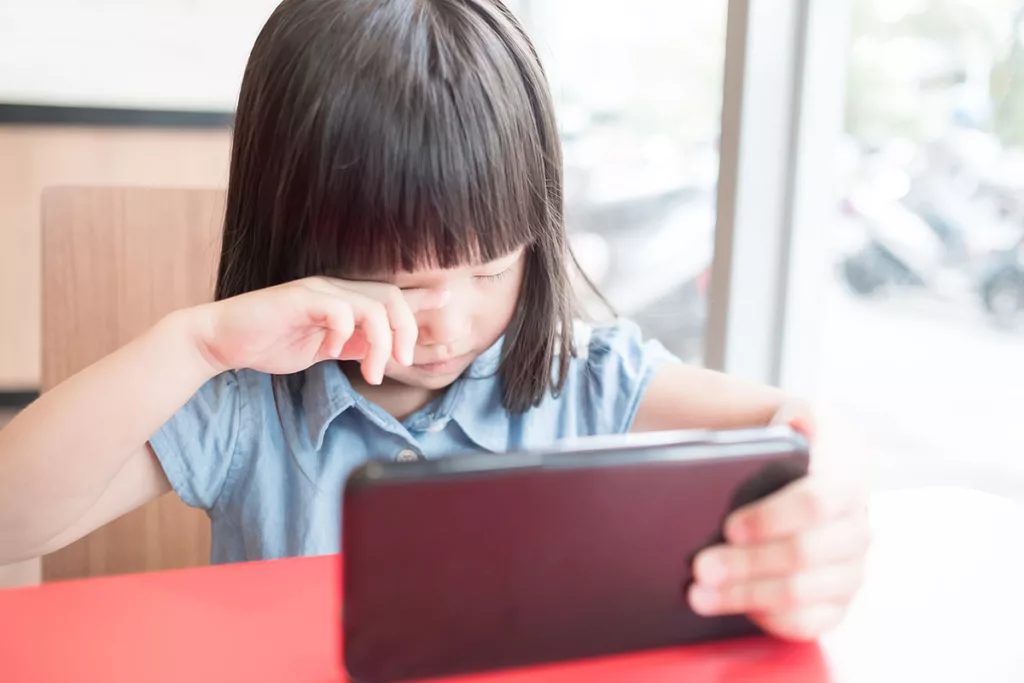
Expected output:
(170, 54)
(159, 54)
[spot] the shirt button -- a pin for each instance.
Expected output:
(407, 455)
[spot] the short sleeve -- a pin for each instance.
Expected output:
(620, 365)
(195, 447)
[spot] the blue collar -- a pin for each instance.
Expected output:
(473, 402)
(326, 394)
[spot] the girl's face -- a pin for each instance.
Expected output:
(483, 300)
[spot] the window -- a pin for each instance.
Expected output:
(638, 86)
(923, 333)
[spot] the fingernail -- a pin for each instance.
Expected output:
(803, 426)
(703, 600)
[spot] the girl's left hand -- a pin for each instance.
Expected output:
(793, 561)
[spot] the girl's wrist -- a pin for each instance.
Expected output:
(188, 330)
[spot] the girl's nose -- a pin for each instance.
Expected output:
(446, 326)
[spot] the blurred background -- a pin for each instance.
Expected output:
(921, 334)
(922, 328)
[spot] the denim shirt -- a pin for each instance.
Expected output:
(267, 456)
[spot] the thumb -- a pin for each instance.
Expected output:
(838, 450)
(799, 416)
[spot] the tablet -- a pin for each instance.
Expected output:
(482, 562)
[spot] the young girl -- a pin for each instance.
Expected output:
(395, 284)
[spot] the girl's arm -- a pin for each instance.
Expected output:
(689, 397)
(792, 562)
(78, 456)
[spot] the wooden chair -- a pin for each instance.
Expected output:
(115, 260)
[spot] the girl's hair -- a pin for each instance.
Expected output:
(383, 135)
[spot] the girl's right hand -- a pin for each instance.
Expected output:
(285, 329)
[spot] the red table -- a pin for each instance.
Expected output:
(942, 602)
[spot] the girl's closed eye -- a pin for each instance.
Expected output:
(495, 277)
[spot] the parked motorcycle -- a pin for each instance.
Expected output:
(1002, 288)
(895, 249)
(642, 231)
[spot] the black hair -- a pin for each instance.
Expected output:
(387, 135)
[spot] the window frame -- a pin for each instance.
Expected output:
(782, 116)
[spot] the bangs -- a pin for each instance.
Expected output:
(373, 137)
(431, 158)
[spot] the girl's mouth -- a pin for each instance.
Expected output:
(442, 366)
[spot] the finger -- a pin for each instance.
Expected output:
(372, 320)
(832, 584)
(403, 324)
(403, 310)
(841, 540)
(799, 416)
(339, 324)
(401, 306)
(418, 298)
(804, 624)
(805, 504)
(356, 347)
(426, 299)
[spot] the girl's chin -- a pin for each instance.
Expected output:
(427, 379)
